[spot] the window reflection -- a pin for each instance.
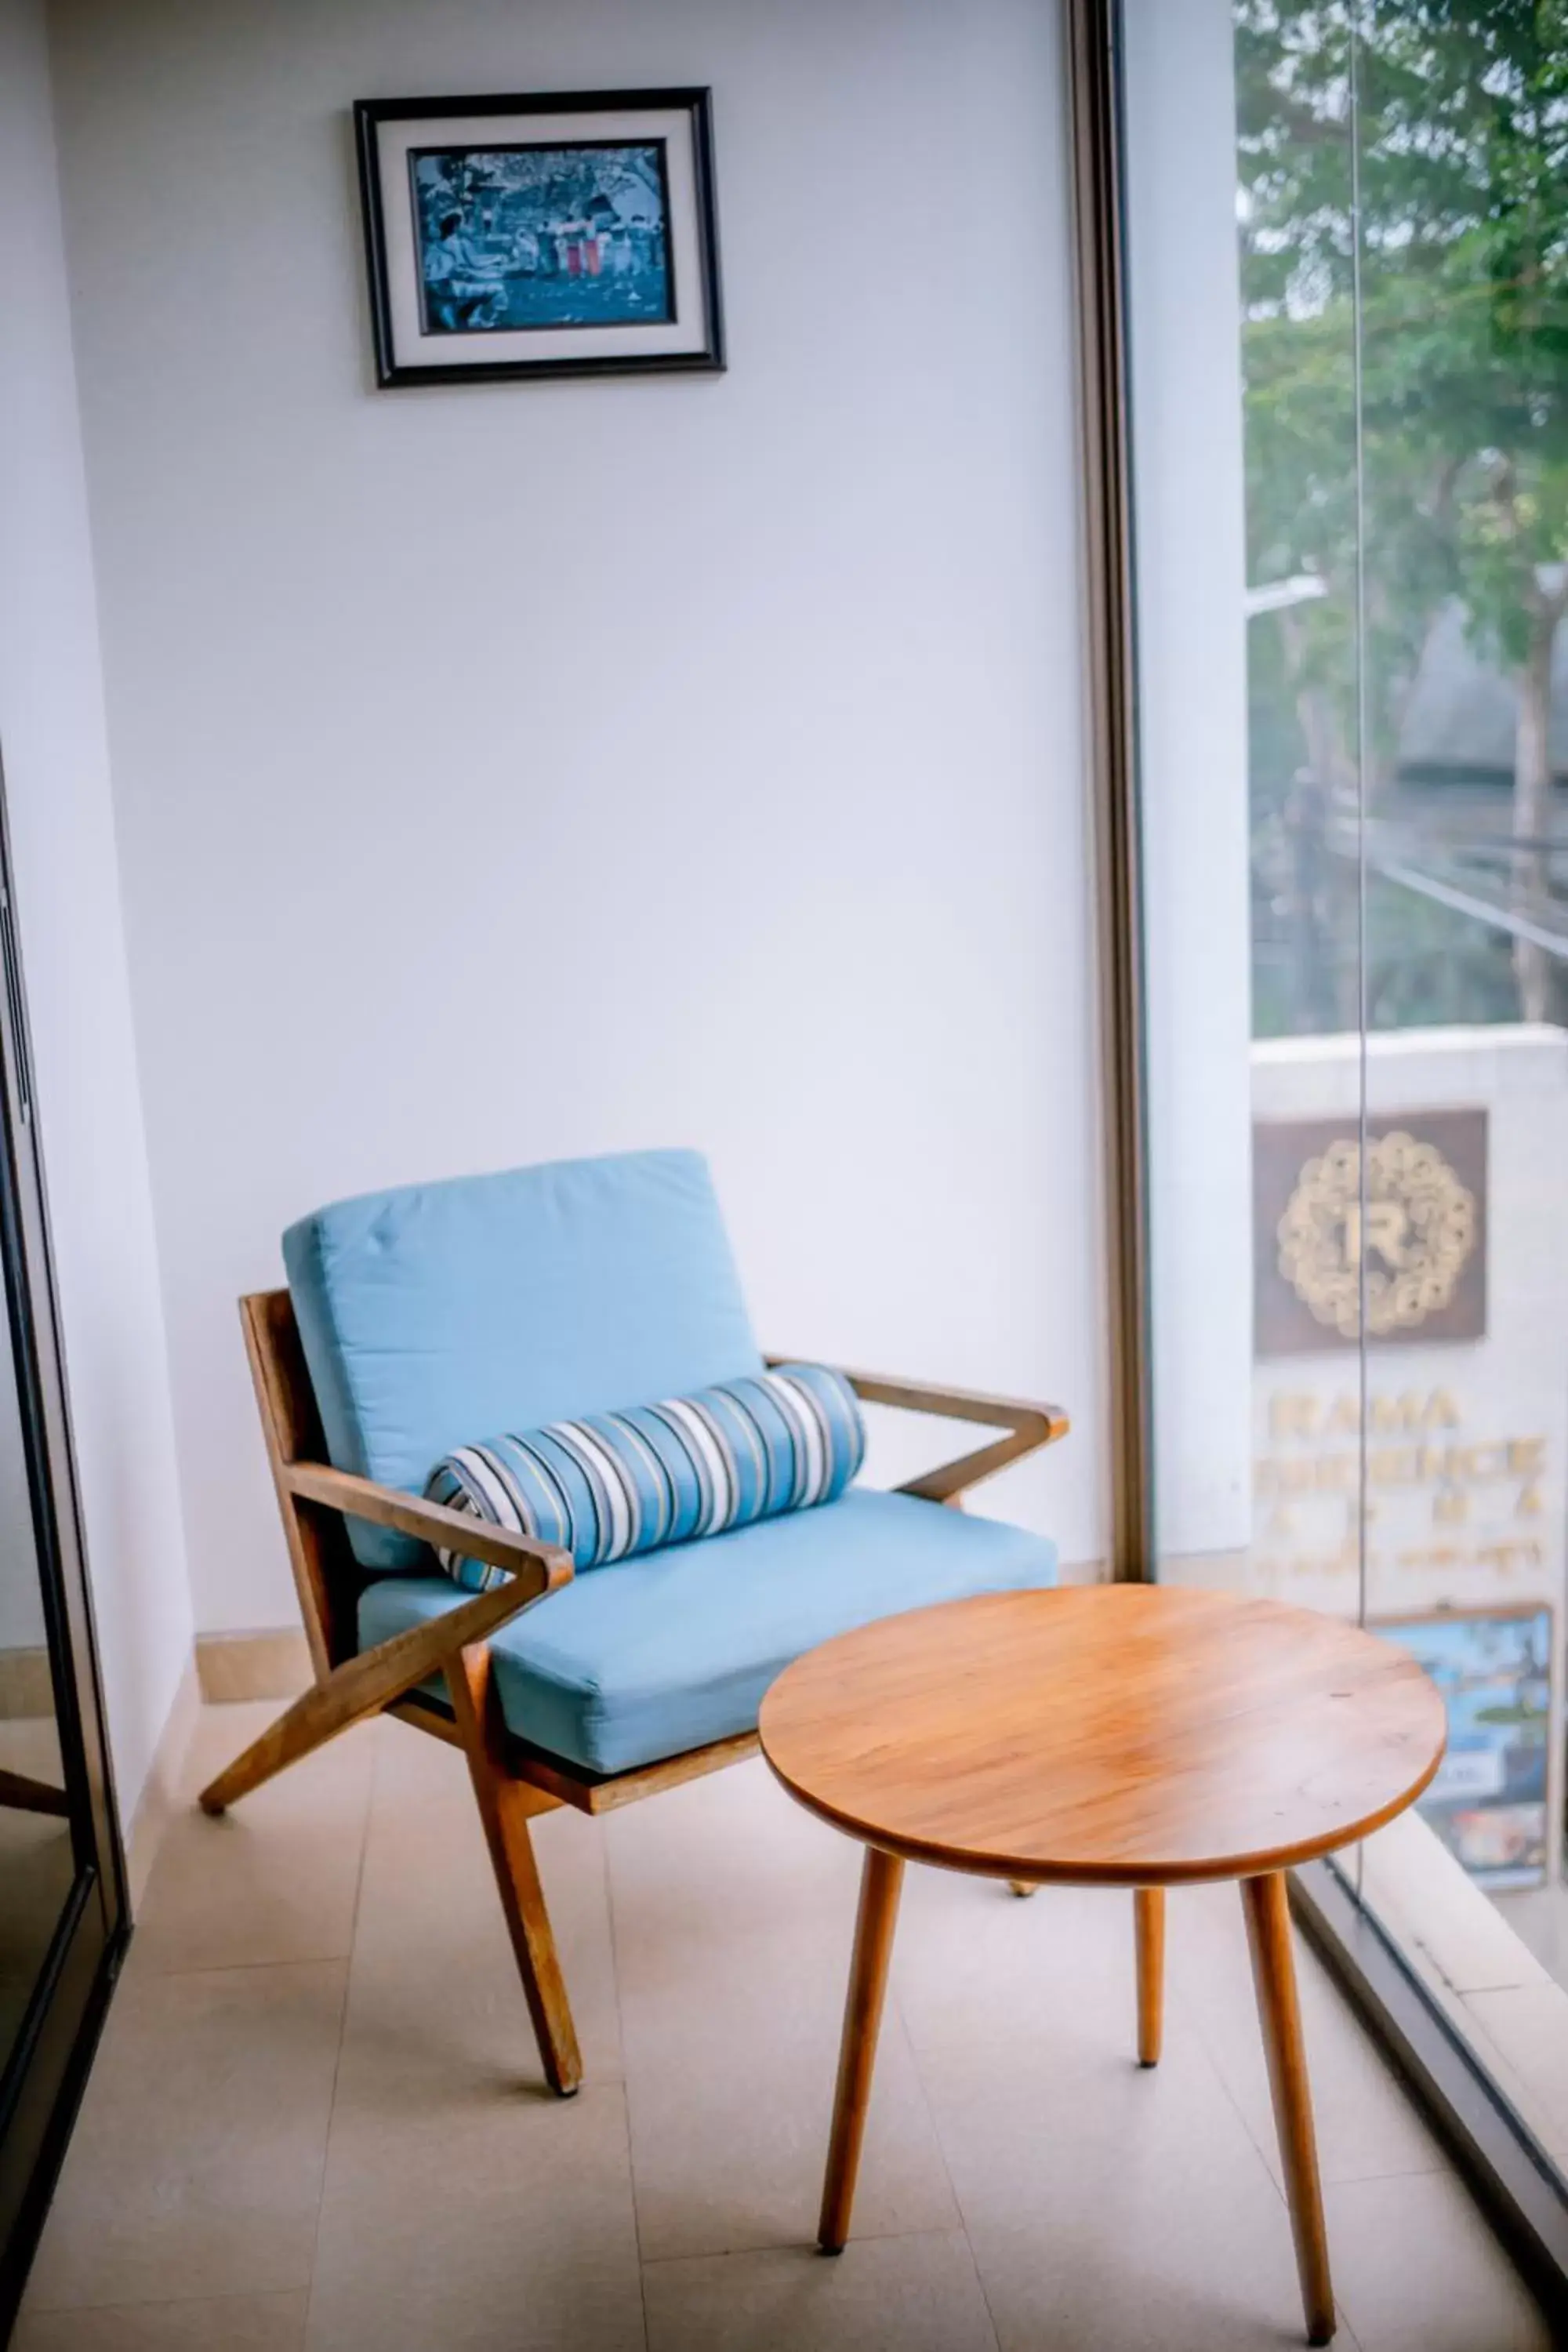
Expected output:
(37, 1864)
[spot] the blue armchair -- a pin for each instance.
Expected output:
(422, 1319)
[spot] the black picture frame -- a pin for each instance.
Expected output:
(691, 330)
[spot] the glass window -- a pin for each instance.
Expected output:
(1347, 236)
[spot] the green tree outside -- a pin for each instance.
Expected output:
(1404, 203)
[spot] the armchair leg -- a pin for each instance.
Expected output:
(24, 1795)
(361, 1686)
(505, 1806)
(326, 1709)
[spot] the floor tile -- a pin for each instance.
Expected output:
(435, 1982)
(274, 1879)
(916, 2293)
(195, 2168)
(1416, 2270)
(412, 1766)
(499, 2223)
(733, 1917)
(999, 1978)
(1076, 2287)
(465, 2206)
(1366, 2127)
(360, 2152)
(1125, 2211)
(1108, 2204)
(249, 2323)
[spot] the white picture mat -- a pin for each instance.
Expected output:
(411, 347)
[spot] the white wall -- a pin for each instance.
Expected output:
(1192, 556)
(521, 770)
(52, 733)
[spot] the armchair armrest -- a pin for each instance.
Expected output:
(1028, 1427)
(375, 1678)
(540, 1568)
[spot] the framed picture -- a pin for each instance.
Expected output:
(556, 234)
(1493, 1667)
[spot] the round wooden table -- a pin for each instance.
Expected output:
(1122, 1735)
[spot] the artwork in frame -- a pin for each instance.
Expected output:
(558, 234)
(1488, 1800)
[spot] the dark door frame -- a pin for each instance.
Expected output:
(1092, 44)
(42, 2076)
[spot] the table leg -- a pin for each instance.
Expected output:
(1149, 1922)
(1268, 1913)
(881, 1880)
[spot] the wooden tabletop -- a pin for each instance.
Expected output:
(1120, 1734)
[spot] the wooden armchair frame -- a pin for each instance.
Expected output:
(23, 1794)
(511, 1780)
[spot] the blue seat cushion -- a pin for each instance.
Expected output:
(649, 1657)
(437, 1312)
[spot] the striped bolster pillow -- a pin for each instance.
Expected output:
(619, 1483)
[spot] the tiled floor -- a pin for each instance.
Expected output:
(318, 2119)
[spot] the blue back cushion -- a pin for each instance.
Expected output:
(508, 1301)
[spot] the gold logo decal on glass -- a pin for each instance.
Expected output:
(1414, 1238)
